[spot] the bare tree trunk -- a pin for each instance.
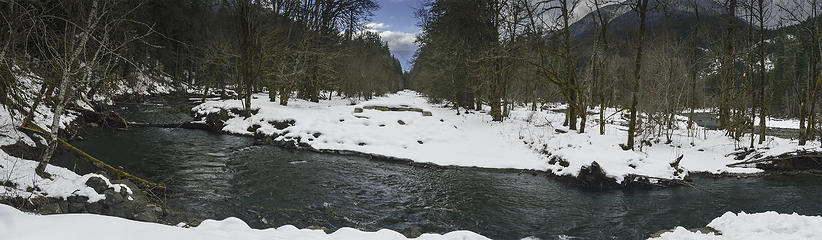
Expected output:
(728, 67)
(205, 94)
(802, 136)
(603, 24)
(750, 72)
(694, 69)
(64, 91)
(45, 91)
(811, 133)
(762, 82)
(642, 6)
(573, 86)
(245, 26)
(477, 101)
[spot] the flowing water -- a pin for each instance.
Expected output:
(217, 176)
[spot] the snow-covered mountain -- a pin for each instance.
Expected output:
(622, 19)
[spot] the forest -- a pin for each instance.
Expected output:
(653, 60)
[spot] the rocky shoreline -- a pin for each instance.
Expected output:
(135, 205)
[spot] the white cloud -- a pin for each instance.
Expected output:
(401, 44)
(399, 41)
(377, 26)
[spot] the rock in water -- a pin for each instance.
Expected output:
(98, 184)
(594, 177)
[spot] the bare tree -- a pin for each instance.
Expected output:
(84, 56)
(728, 69)
(641, 7)
(69, 64)
(762, 16)
(599, 65)
(796, 12)
(694, 64)
(565, 78)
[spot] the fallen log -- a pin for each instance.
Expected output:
(798, 160)
(120, 174)
(784, 156)
(186, 125)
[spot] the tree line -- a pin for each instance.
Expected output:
(661, 59)
(87, 51)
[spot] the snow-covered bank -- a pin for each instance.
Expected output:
(21, 226)
(67, 191)
(18, 179)
(17, 175)
(790, 123)
(443, 139)
(767, 225)
(525, 140)
(29, 84)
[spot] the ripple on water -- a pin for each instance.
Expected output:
(221, 176)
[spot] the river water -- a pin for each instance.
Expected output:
(217, 176)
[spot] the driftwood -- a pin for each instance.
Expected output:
(186, 125)
(402, 108)
(27, 125)
(784, 156)
(798, 160)
(637, 180)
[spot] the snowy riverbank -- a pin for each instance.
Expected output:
(526, 140)
(17, 174)
(767, 225)
(19, 180)
(21, 226)
(15, 224)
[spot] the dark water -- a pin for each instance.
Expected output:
(219, 176)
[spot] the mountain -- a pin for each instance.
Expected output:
(676, 15)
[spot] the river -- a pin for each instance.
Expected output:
(217, 176)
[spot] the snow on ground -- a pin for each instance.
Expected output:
(474, 140)
(145, 83)
(780, 123)
(21, 226)
(18, 179)
(29, 84)
(743, 226)
(442, 139)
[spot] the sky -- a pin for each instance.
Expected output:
(397, 25)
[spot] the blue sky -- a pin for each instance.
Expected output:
(397, 25)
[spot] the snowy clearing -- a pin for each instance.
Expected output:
(15, 224)
(523, 141)
(767, 225)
